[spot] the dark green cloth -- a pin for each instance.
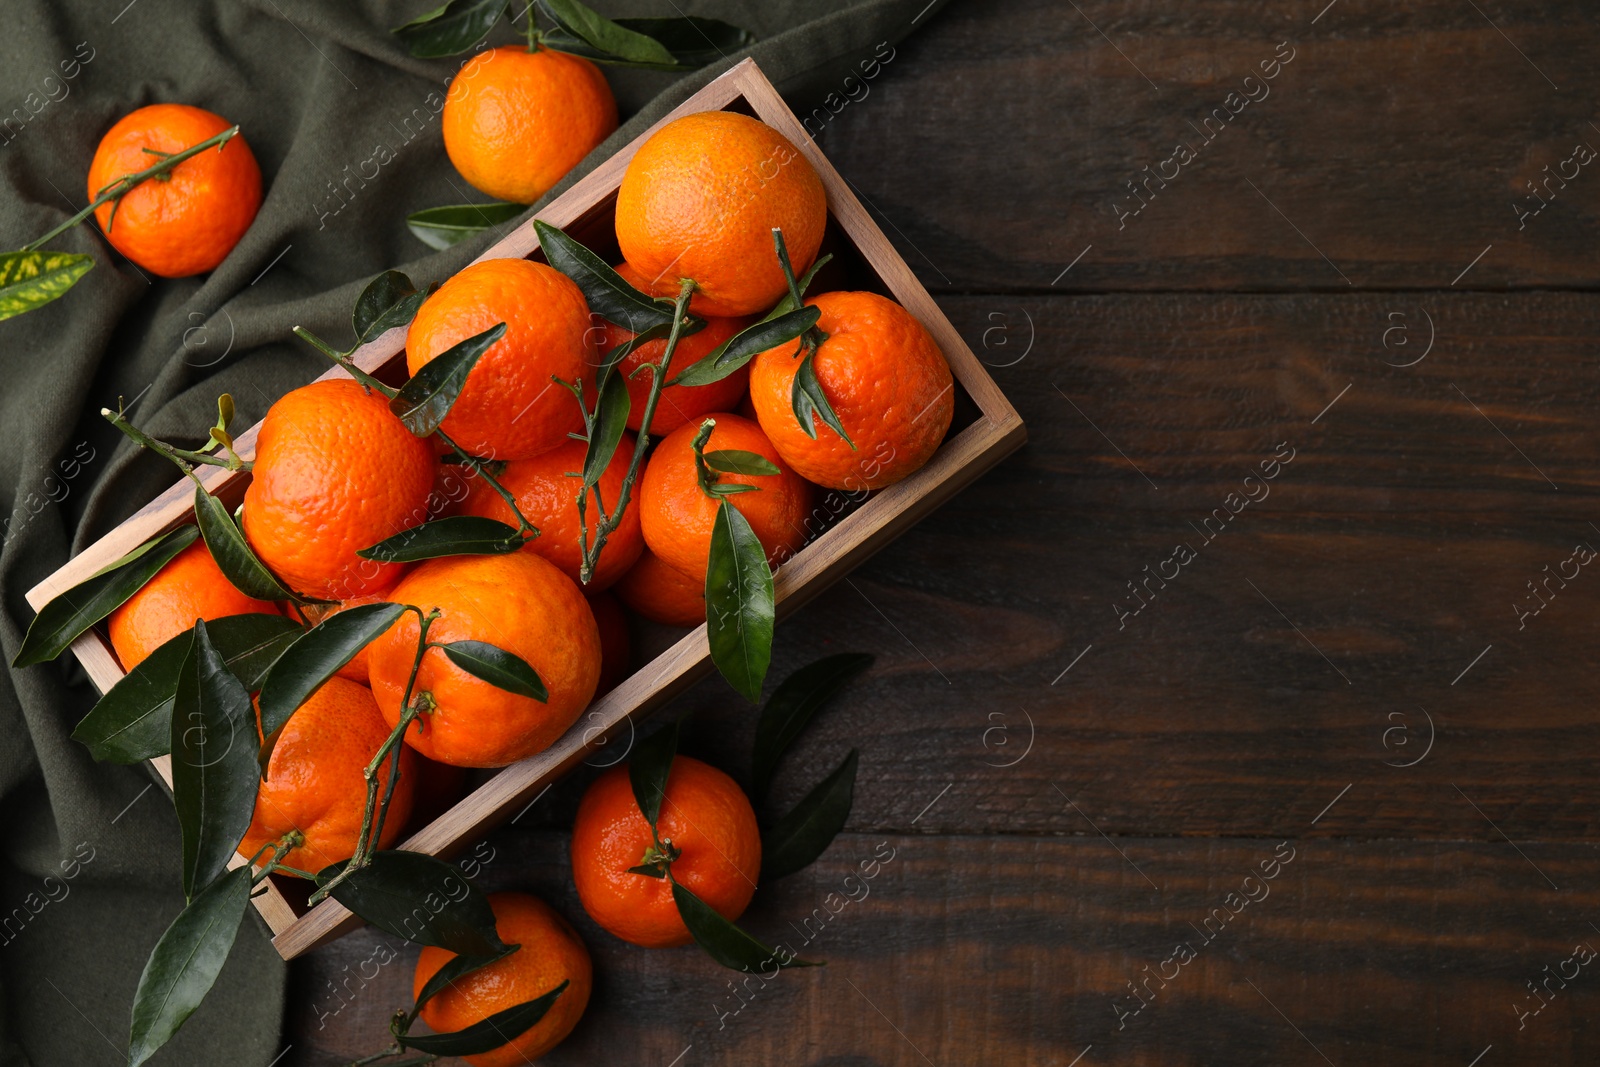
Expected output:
(88, 853)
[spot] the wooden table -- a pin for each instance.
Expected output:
(1219, 725)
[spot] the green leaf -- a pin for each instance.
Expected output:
(424, 401)
(501, 669)
(791, 706)
(722, 940)
(234, 557)
(133, 721)
(603, 34)
(610, 421)
(745, 345)
(649, 767)
(808, 399)
(693, 42)
(451, 29)
(787, 304)
(607, 294)
(214, 747)
(390, 891)
(805, 833)
(32, 279)
(441, 227)
(739, 603)
(498, 1029)
(186, 962)
(456, 535)
(60, 622)
(454, 968)
(738, 461)
(316, 657)
(389, 300)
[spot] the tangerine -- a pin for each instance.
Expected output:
(678, 404)
(516, 121)
(314, 780)
(885, 378)
(520, 603)
(188, 219)
(661, 593)
(189, 587)
(704, 816)
(700, 200)
(550, 953)
(677, 514)
(335, 472)
(510, 406)
(546, 489)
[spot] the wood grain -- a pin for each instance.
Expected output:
(1018, 950)
(998, 142)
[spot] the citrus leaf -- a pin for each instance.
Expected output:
(739, 603)
(791, 706)
(501, 669)
(600, 32)
(389, 300)
(451, 29)
(214, 746)
(608, 295)
(186, 962)
(487, 1034)
(689, 55)
(745, 345)
(133, 721)
(424, 401)
(738, 461)
(787, 304)
(59, 622)
(722, 940)
(456, 535)
(805, 833)
(389, 892)
(808, 399)
(649, 767)
(455, 967)
(316, 657)
(32, 279)
(610, 420)
(441, 227)
(233, 555)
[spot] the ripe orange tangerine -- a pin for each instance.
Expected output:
(700, 199)
(704, 815)
(187, 220)
(885, 378)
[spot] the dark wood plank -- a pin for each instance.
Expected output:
(1000, 140)
(1395, 542)
(1019, 950)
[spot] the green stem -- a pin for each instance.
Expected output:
(368, 836)
(280, 848)
(658, 376)
(527, 529)
(533, 30)
(812, 339)
(343, 359)
(185, 459)
(122, 186)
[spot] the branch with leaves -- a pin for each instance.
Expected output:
(31, 277)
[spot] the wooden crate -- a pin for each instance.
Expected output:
(987, 429)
